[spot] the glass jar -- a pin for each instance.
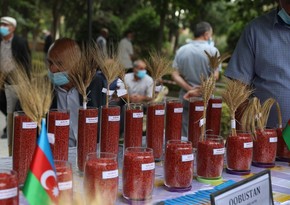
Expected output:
(178, 165)
(133, 125)
(9, 191)
(58, 126)
(173, 127)
(138, 173)
(196, 109)
(155, 128)
(101, 178)
(24, 143)
(213, 116)
(283, 154)
(64, 176)
(87, 134)
(110, 129)
(210, 157)
(265, 148)
(239, 151)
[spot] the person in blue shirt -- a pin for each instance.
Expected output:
(261, 59)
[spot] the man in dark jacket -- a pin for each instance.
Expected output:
(14, 51)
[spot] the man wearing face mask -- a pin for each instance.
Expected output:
(190, 63)
(140, 85)
(261, 59)
(66, 95)
(14, 54)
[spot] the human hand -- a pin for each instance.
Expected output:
(195, 92)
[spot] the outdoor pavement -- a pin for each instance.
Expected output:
(3, 142)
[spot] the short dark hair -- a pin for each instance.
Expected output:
(201, 28)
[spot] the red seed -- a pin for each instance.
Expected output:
(87, 134)
(173, 126)
(58, 124)
(65, 180)
(282, 149)
(25, 132)
(213, 117)
(239, 151)
(155, 128)
(178, 164)
(265, 146)
(137, 183)
(110, 129)
(9, 183)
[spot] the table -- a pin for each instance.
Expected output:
(280, 176)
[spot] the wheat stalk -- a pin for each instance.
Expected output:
(279, 115)
(109, 65)
(234, 95)
(35, 94)
(158, 65)
(216, 60)
(82, 73)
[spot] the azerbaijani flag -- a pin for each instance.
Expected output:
(41, 186)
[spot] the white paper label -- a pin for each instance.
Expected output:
(159, 112)
(29, 125)
(121, 92)
(65, 185)
(104, 90)
(178, 110)
(158, 88)
(187, 157)
(8, 193)
(233, 124)
(248, 144)
(60, 123)
(273, 139)
(91, 120)
(110, 174)
(51, 138)
(138, 115)
(114, 118)
(199, 108)
(218, 151)
(149, 166)
(202, 122)
(216, 105)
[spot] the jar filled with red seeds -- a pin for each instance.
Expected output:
(213, 115)
(64, 176)
(210, 157)
(24, 143)
(58, 129)
(283, 154)
(178, 165)
(173, 125)
(101, 178)
(9, 191)
(133, 125)
(138, 173)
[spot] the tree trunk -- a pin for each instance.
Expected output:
(163, 12)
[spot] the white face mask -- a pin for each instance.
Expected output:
(210, 42)
(284, 16)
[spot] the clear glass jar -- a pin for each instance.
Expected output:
(138, 173)
(87, 134)
(9, 191)
(196, 109)
(24, 143)
(110, 129)
(283, 154)
(155, 128)
(178, 165)
(101, 178)
(210, 157)
(64, 176)
(58, 126)
(173, 122)
(239, 151)
(133, 125)
(213, 115)
(265, 148)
